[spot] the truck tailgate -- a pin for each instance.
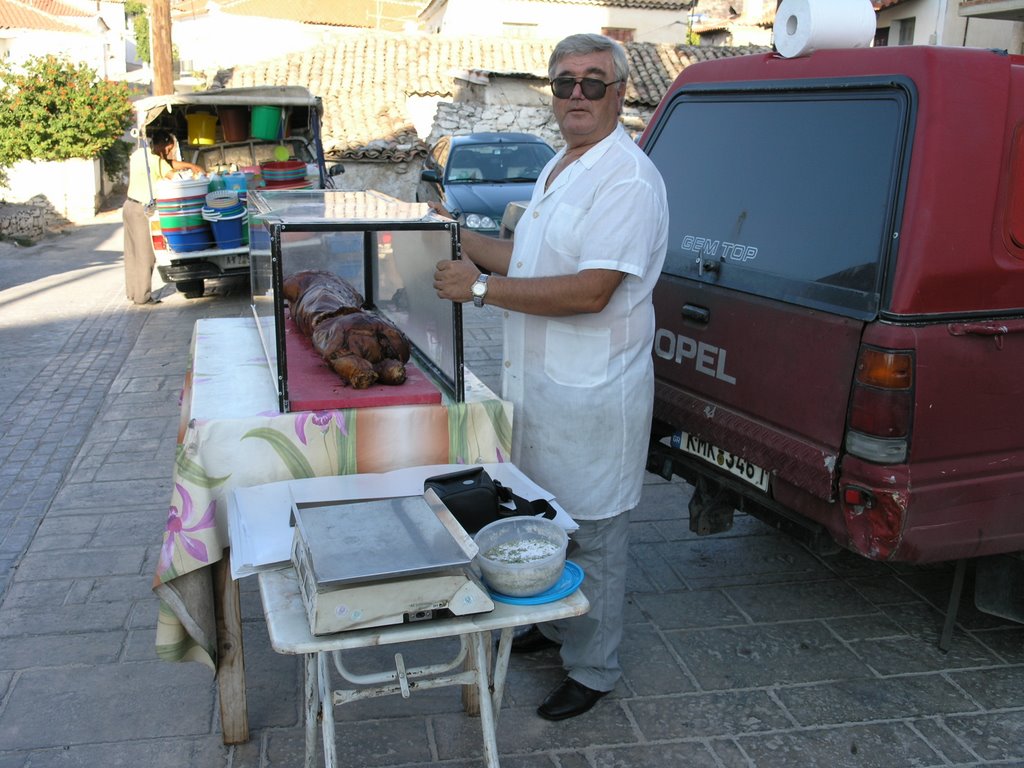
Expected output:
(761, 379)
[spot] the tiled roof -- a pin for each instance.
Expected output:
(366, 78)
(19, 15)
(56, 8)
(389, 15)
(656, 5)
(654, 66)
(712, 25)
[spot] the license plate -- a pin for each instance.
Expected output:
(235, 260)
(734, 465)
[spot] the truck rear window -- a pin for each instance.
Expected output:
(789, 194)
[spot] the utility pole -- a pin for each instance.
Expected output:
(160, 47)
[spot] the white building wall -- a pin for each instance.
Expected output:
(554, 20)
(73, 188)
(98, 45)
(114, 40)
(219, 40)
(76, 47)
(938, 22)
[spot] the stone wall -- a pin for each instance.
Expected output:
(30, 221)
(400, 179)
(396, 179)
(74, 187)
(474, 117)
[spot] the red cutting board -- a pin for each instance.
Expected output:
(313, 386)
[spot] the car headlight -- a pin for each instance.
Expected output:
(479, 221)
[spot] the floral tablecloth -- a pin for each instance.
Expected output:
(232, 435)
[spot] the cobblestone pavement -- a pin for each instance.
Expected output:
(742, 649)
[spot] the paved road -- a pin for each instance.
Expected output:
(741, 650)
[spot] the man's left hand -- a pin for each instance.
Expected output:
(453, 280)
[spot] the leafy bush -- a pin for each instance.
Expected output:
(136, 12)
(52, 109)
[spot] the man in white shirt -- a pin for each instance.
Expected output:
(576, 287)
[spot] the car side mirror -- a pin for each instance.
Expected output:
(430, 176)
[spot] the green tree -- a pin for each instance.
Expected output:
(136, 11)
(52, 109)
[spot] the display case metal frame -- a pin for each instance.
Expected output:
(276, 215)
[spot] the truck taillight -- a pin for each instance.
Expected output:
(881, 406)
(157, 236)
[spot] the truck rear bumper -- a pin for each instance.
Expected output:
(197, 270)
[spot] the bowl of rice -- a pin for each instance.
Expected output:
(521, 556)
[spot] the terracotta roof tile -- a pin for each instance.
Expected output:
(366, 78)
(658, 5)
(371, 14)
(56, 8)
(18, 15)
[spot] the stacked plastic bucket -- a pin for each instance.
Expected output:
(285, 174)
(227, 218)
(180, 202)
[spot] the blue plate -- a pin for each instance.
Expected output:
(568, 582)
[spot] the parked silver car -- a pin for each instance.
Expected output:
(476, 175)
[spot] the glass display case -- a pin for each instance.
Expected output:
(384, 248)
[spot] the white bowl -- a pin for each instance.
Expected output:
(521, 556)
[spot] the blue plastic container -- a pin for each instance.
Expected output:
(228, 232)
(193, 239)
(235, 181)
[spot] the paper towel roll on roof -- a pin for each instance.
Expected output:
(803, 26)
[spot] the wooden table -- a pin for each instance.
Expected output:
(231, 435)
(288, 625)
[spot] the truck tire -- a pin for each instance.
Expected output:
(191, 289)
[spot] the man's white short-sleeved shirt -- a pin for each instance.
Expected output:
(582, 387)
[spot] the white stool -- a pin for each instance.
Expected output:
(288, 627)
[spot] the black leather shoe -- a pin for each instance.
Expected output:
(568, 700)
(532, 640)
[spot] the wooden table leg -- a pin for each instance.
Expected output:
(234, 713)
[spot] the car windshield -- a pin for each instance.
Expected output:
(497, 163)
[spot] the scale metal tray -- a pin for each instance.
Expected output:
(372, 563)
(358, 541)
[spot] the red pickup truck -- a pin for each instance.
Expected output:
(840, 320)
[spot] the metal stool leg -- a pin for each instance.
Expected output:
(326, 710)
(480, 641)
(312, 697)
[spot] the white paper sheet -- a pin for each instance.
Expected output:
(258, 516)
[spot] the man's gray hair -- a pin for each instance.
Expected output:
(582, 44)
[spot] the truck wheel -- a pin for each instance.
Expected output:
(192, 289)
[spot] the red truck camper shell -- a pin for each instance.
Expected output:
(840, 321)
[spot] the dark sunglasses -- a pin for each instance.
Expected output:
(592, 88)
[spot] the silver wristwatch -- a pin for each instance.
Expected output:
(479, 290)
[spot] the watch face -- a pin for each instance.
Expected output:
(479, 289)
